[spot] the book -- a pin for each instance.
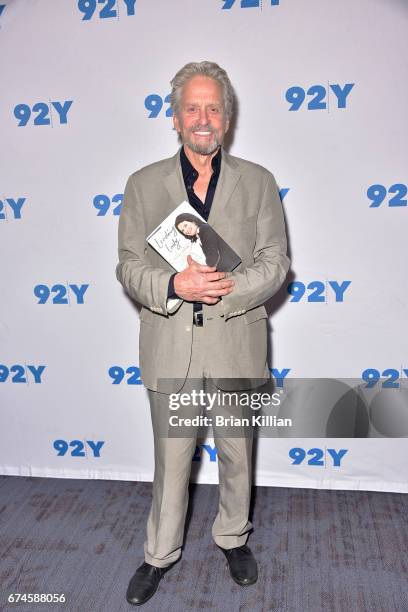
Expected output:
(184, 232)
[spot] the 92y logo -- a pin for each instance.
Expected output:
(318, 291)
(318, 94)
(248, 3)
(103, 202)
(117, 374)
(19, 373)
(79, 449)
(108, 9)
(390, 377)
(42, 113)
(199, 452)
(154, 104)
(396, 195)
(15, 205)
(317, 456)
(63, 294)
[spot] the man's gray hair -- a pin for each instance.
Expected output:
(208, 69)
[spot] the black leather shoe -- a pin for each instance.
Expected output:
(144, 583)
(242, 565)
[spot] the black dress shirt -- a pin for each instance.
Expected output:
(190, 175)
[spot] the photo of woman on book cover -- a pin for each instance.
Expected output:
(206, 241)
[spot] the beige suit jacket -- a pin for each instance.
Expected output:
(247, 213)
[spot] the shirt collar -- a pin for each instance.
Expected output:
(190, 173)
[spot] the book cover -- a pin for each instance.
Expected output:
(184, 232)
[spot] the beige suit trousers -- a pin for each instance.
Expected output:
(173, 457)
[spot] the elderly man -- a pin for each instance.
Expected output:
(201, 324)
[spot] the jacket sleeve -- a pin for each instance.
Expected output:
(143, 282)
(258, 282)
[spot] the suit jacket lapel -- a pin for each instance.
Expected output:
(227, 181)
(174, 181)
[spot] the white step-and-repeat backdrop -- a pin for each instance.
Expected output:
(322, 90)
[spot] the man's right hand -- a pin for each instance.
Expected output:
(199, 283)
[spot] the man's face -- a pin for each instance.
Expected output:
(200, 120)
(188, 228)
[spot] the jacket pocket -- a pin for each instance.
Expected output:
(255, 314)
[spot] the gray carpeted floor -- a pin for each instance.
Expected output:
(317, 550)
